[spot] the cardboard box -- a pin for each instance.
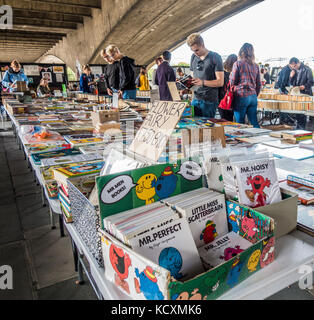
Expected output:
(141, 278)
(285, 213)
(105, 116)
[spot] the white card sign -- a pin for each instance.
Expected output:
(157, 128)
(31, 70)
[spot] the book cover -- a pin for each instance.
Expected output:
(69, 159)
(306, 219)
(223, 249)
(305, 194)
(305, 180)
(52, 189)
(257, 182)
(44, 147)
(207, 218)
(38, 157)
(172, 247)
(81, 169)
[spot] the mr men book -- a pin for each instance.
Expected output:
(223, 249)
(257, 183)
(139, 187)
(206, 216)
(172, 247)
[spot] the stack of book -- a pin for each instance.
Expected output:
(303, 185)
(82, 176)
(297, 135)
(205, 212)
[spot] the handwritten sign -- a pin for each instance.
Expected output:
(157, 128)
(174, 91)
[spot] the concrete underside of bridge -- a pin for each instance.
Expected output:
(79, 29)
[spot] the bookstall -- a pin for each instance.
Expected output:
(275, 103)
(55, 73)
(163, 205)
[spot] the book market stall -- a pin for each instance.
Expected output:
(162, 205)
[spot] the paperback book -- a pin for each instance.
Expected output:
(223, 249)
(206, 216)
(257, 182)
(172, 247)
(38, 157)
(69, 159)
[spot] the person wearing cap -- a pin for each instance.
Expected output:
(165, 74)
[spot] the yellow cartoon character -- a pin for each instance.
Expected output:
(253, 260)
(144, 189)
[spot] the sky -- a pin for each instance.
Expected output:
(276, 28)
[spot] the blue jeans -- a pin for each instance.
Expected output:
(129, 95)
(204, 108)
(243, 106)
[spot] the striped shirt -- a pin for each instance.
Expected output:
(245, 78)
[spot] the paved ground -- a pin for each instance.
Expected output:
(42, 262)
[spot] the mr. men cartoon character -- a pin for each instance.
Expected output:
(248, 226)
(120, 262)
(234, 273)
(148, 284)
(209, 233)
(229, 253)
(165, 184)
(171, 259)
(195, 295)
(145, 189)
(257, 195)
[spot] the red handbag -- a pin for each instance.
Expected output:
(226, 102)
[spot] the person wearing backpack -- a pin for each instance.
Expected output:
(207, 72)
(245, 78)
(228, 64)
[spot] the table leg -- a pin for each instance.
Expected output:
(61, 226)
(52, 219)
(80, 271)
(75, 255)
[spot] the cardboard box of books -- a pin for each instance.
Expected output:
(163, 262)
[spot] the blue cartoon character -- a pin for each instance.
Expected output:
(148, 284)
(171, 259)
(165, 184)
(234, 273)
(233, 217)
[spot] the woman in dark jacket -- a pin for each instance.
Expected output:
(127, 87)
(228, 64)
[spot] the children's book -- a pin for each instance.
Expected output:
(52, 189)
(172, 247)
(69, 159)
(38, 157)
(305, 194)
(222, 249)
(46, 147)
(62, 174)
(257, 182)
(206, 216)
(80, 139)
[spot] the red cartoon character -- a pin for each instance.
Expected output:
(231, 252)
(209, 233)
(257, 195)
(248, 226)
(120, 262)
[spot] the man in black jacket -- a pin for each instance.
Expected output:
(285, 75)
(303, 78)
(111, 74)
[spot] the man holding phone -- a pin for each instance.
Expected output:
(208, 75)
